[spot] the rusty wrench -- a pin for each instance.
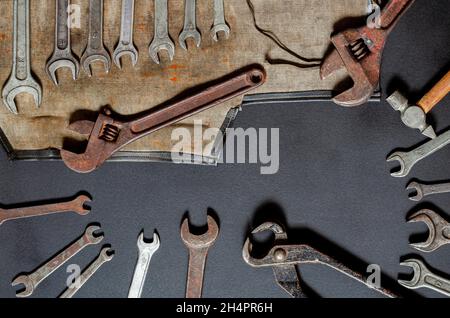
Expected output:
(126, 44)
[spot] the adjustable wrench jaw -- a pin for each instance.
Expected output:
(439, 230)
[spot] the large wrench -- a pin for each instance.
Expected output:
(408, 160)
(190, 24)
(31, 281)
(62, 54)
(424, 190)
(161, 39)
(95, 50)
(220, 24)
(21, 79)
(126, 43)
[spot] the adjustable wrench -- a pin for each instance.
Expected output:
(31, 281)
(424, 190)
(126, 44)
(95, 50)
(220, 24)
(21, 79)
(190, 24)
(146, 251)
(62, 54)
(161, 39)
(105, 256)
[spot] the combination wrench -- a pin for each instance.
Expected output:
(190, 24)
(21, 79)
(161, 39)
(62, 55)
(126, 43)
(220, 24)
(423, 190)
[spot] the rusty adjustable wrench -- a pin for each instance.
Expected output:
(109, 133)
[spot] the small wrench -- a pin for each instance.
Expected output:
(220, 24)
(161, 39)
(31, 281)
(62, 55)
(105, 256)
(126, 44)
(95, 50)
(190, 24)
(21, 79)
(77, 205)
(424, 190)
(424, 278)
(408, 160)
(198, 246)
(146, 251)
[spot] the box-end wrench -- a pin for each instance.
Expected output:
(126, 43)
(190, 25)
(161, 39)
(421, 190)
(31, 281)
(95, 50)
(146, 251)
(105, 256)
(220, 24)
(408, 160)
(63, 56)
(21, 79)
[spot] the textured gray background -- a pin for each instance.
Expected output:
(333, 180)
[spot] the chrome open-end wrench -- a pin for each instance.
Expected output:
(190, 24)
(21, 79)
(161, 39)
(424, 190)
(105, 256)
(62, 54)
(31, 281)
(126, 43)
(220, 24)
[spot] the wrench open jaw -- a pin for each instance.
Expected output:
(15, 87)
(56, 63)
(416, 193)
(153, 246)
(200, 241)
(417, 279)
(161, 44)
(438, 227)
(405, 164)
(190, 33)
(220, 28)
(89, 58)
(125, 50)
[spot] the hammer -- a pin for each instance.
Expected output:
(414, 116)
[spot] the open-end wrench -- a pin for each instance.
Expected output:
(126, 44)
(190, 24)
(95, 50)
(77, 205)
(220, 24)
(105, 256)
(31, 281)
(62, 54)
(161, 39)
(198, 246)
(21, 79)
(424, 278)
(423, 190)
(146, 251)
(408, 160)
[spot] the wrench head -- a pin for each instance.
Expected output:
(200, 241)
(216, 29)
(143, 245)
(161, 45)
(122, 51)
(107, 254)
(435, 224)
(93, 234)
(54, 65)
(186, 34)
(14, 88)
(404, 169)
(87, 60)
(81, 206)
(417, 191)
(27, 283)
(418, 270)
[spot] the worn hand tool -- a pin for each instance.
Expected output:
(424, 278)
(77, 205)
(31, 281)
(198, 246)
(161, 39)
(95, 50)
(424, 190)
(284, 257)
(438, 227)
(126, 43)
(109, 133)
(105, 256)
(220, 24)
(408, 160)
(62, 55)
(146, 251)
(360, 52)
(21, 79)
(190, 24)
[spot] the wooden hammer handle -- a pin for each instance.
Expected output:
(437, 93)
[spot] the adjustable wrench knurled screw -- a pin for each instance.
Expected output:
(126, 43)
(190, 25)
(161, 39)
(220, 24)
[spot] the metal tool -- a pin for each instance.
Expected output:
(77, 205)
(424, 278)
(423, 190)
(95, 50)
(126, 43)
(146, 251)
(360, 51)
(161, 39)
(111, 133)
(220, 24)
(190, 25)
(284, 257)
(408, 160)
(439, 230)
(63, 56)
(31, 281)
(105, 256)
(21, 79)
(198, 246)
